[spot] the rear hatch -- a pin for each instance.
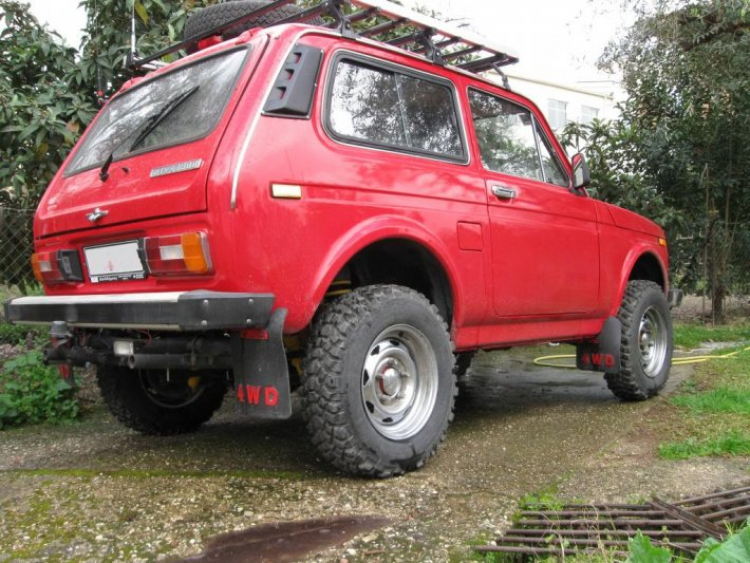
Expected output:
(148, 152)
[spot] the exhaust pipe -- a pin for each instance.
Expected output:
(172, 361)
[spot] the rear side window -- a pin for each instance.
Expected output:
(383, 107)
(511, 142)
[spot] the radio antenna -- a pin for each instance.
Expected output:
(132, 33)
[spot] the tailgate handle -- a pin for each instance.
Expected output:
(504, 192)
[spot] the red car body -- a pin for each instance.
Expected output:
(184, 261)
(548, 265)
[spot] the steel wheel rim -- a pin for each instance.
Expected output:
(652, 341)
(171, 397)
(399, 382)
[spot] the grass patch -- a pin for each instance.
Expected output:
(713, 410)
(692, 335)
(732, 443)
(721, 400)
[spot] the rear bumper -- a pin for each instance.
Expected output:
(175, 311)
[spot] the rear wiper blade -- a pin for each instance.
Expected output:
(104, 172)
(154, 121)
(151, 123)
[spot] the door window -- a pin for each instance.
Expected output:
(505, 132)
(553, 170)
(511, 142)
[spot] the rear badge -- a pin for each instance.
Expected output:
(175, 168)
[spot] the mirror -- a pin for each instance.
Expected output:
(581, 172)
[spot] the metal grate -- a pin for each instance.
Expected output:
(382, 21)
(681, 526)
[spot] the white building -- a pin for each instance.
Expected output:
(562, 103)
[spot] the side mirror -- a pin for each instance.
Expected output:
(581, 172)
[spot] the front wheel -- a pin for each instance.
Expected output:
(379, 385)
(646, 343)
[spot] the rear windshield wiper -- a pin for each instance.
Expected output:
(151, 123)
(154, 121)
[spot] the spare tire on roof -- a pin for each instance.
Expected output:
(211, 17)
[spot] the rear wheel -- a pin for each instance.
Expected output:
(646, 343)
(379, 387)
(158, 402)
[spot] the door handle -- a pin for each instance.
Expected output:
(504, 192)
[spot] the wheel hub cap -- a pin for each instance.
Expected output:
(652, 341)
(399, 382)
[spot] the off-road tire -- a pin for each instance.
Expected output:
(634, 383)
(211, 17)
(345, 336)
(126, 399)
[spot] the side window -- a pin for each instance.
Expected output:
(553, 170)
(511, 142)
(505, 132)
(383, 107)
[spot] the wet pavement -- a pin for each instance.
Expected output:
(95, 491)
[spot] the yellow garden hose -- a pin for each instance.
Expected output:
(548, 361)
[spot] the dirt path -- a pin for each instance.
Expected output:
(95, 491)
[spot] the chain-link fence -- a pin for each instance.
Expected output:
(16, 246)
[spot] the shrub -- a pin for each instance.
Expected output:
(31, 392)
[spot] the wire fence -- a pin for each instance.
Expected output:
(692, 267)
(16, 247)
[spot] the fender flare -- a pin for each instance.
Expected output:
(635, 254)
(379, 229)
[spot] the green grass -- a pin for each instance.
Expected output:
(713, 410)
(721, 400)
(731, 443)
(12, 334)
(692, 335)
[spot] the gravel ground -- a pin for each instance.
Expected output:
(94, 491)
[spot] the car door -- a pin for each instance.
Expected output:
(544, 236)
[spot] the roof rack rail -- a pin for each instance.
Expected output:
(438, 41)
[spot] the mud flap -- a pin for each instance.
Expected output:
(604, 354)
(261, 375)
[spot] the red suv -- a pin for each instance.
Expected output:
(300, 207)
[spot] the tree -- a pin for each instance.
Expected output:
(45, 104)
(686, 69)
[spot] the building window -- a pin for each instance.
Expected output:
(558, 114)
(589, 114)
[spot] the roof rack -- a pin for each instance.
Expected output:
(438, 41)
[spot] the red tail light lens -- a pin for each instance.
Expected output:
(56, 267)
(178, 254)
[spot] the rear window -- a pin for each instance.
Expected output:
(177, 107)
(380, 106)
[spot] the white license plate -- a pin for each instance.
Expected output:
(114, 262)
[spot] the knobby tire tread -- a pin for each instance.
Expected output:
(211, 17)
(128, 402)
(325, 387)
(624, 384)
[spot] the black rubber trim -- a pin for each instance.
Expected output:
(193, 311)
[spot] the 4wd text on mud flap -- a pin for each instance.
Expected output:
(600, 360)
(253, 394)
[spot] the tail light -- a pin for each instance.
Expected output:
(56, 267)
(178, 254)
